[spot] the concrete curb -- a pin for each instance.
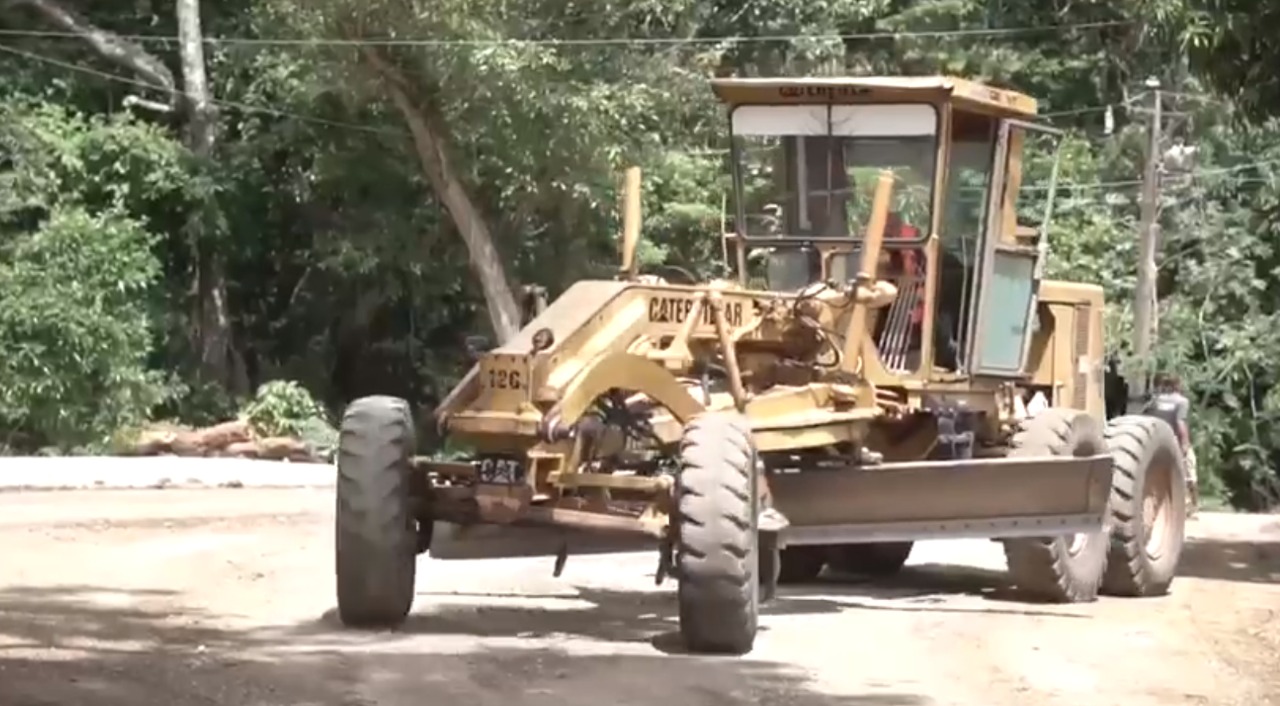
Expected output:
(122, 472)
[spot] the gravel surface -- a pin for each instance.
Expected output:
(180, 598)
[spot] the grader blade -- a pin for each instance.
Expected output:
(995, 498)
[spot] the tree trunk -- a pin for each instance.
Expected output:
(429, 139)
(106, 44)
(213, 340)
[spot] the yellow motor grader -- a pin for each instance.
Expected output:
(886, 364)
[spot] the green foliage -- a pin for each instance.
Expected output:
(286, 408)
(75, 331)
(683, 196)
(79, 271)
(58, 155)
(1236, 44)
(282, 408)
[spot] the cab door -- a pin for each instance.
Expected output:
(1011, 263)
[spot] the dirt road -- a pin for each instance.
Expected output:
(224, 597)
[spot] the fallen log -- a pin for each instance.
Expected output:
(233, 438)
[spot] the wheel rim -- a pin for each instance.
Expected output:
(1157, 498)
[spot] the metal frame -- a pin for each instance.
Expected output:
(1042, 243)
(991, 245)
(735, 169)
(971, 283)
(1003, 527)
(990, 233)
(1042, 246)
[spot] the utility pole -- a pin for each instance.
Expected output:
(1144, 304)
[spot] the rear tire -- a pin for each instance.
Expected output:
(376, 540)
(871, 559)
(1148, 507)
(1063, 569)
(717, 551)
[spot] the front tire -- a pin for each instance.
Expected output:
(717, 550)
(376, 540)
(1063, 569)
(1148, 507)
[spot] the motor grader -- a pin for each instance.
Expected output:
(886, 364)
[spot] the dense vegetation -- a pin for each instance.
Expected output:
(380, 180)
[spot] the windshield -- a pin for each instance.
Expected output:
(811, 170)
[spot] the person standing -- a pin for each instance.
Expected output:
(1168, 403)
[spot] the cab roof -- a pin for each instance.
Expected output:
(969, 95)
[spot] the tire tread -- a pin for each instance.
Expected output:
(1134, 441)
(1041, 566)
(375, 541)
(716, 562)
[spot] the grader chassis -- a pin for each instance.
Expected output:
(859, 384)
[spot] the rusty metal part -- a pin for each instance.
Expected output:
(666, 562)
(593, 521)
(652, 484)
(448, 469)
(561, 558)
(938, 492)
(732, 370)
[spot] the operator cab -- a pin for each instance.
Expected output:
(807, 154)
(806, 175)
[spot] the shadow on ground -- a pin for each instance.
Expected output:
(638, 616)
(650, 618)
(1231, 560)
(86, 645)
(923, 587)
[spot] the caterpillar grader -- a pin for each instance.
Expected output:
(885, 363)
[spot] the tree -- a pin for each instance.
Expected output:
(78, 273)
(212, 325)
(1236, 44)
(213, 338)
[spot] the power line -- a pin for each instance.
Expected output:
(1091, 186)
(224, 103)
(1122, 105)
(1195, 96)
(615, 41)
(1078, 111)
(1172, 182)
(705, 152)
(260, 109)
(1235, 168)
(231, 104)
